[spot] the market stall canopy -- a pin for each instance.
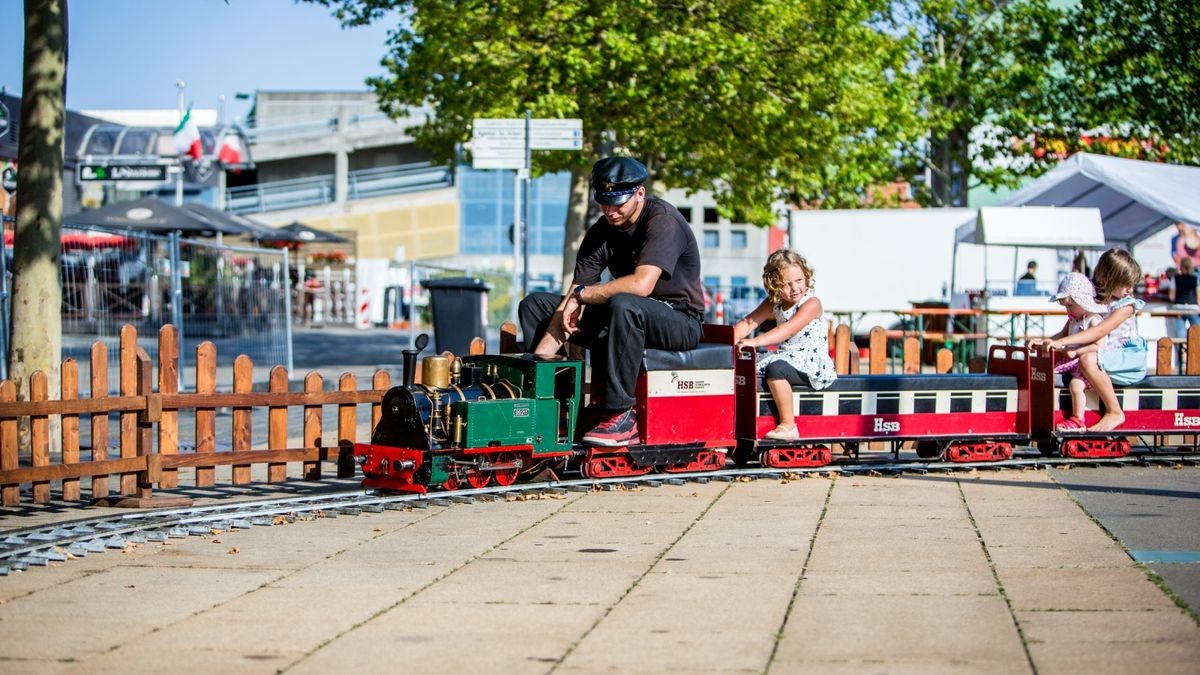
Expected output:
(307, 234)
(85, 240)
(149, 215)
(251, 229)
(1035, 226)
(1136, 198)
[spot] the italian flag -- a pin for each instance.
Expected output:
(187, 136)
(230, 151)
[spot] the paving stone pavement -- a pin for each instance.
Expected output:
(991, 573)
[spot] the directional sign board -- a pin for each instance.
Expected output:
(108, 173)
(500, 143)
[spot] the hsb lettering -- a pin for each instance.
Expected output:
(886, 427)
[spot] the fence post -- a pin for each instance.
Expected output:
(243, 382)
(841, 349)
(312, 425)
(99, 363)
(1193, 348)
(206, 418)
(1165, 353)
(347, 429)
(70, 427)
(129, 387)
(877, 357)
(168, 383)
(945, 360)
(146, 419)
(912, 356)
(10, 495)
(508, 338)
(277, 425)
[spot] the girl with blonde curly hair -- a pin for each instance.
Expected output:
(803, 355)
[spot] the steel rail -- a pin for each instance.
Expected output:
(41, 545)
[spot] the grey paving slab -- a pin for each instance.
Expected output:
(1070, 589)
(916, 629)
(1147, 509)
(862, 575)
(1165, 641)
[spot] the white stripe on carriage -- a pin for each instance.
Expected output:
(942, 404)
(1130, 400)
(1170, 399)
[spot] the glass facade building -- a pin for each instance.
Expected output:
(486, 201)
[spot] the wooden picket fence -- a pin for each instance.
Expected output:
(147, 454)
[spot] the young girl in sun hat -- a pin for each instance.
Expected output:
(1077, 294)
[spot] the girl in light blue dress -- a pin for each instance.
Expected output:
(1123, 357)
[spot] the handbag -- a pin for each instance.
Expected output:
(1126, 364)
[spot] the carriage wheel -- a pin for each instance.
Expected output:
(929, 449)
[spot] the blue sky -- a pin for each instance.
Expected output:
(130, 53)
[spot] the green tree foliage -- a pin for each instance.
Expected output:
(758, 100)
(986, 68)
(1131, 79)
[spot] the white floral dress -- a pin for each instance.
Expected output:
(807, 351)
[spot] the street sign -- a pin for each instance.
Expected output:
(8, 180)
(109, 173)
(3, 118)
(500, 143)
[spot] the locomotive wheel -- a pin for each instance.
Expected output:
(478, 479)
(474, 478)
(506, 477)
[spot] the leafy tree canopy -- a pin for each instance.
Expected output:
(754, 99)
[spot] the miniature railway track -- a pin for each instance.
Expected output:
(40, 546)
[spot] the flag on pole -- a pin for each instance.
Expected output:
(230, 151)
(187, 137)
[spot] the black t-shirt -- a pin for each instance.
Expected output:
(1185, 289)
(660, 237)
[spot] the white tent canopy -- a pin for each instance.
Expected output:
(1136, 199)
(1035, 226)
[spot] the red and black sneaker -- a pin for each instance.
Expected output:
(619, 429)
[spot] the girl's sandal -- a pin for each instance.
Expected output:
(781, 433)
(1071, 425)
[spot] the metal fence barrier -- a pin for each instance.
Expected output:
(237, 297)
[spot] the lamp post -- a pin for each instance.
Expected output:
(179, 176)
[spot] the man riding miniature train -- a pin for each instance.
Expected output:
(654, 300)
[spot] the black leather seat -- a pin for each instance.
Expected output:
(706, 356)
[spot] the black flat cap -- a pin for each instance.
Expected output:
(615, 179)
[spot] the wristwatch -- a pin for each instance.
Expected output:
(578, 292)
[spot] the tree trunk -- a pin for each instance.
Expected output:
(950, 168)
(577, 220)
(37, 292)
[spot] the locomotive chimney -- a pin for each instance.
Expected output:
(410, 358)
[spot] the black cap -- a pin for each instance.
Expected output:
(615, 179)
